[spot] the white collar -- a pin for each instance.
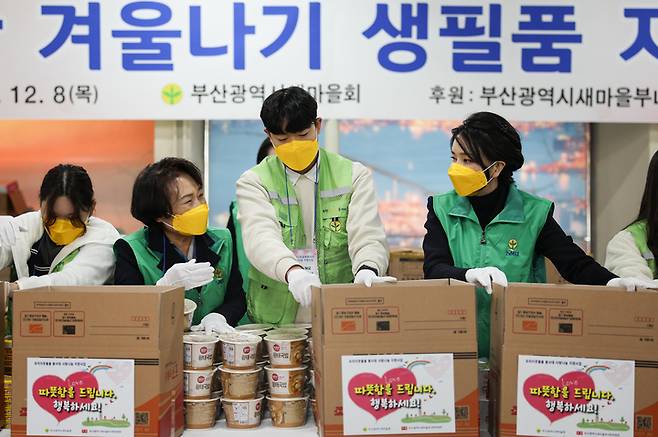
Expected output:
(310, 175)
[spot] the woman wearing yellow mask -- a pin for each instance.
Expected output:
(177, 248)
(487, 231)
(63, 243)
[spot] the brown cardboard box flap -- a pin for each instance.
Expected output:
(575, 316)
(42, 314)
(354, 314)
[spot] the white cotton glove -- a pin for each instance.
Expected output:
(213, 322)
(9, 230)
(368, 277)
(188, 275)
(631, 284)
(299, 283)
(485, 277)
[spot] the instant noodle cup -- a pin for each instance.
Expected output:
(306, 326)
(239, 350)
(297, 331)
(243, 413)
(200, 413)
(188, 311)
(197, 384)
(261, 350)
(286, 383)
(288, 413)
(254, 327)
(286, 350)
(199, 351)
(239, 384)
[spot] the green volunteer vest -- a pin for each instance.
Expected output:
(268, 300)
(508, 243)
(639, 232)
(212, 294)
(243, 262)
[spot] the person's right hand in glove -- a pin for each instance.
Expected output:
(188, 275)
(485, 277)
(300, 282)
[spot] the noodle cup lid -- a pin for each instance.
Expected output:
(199, 339)
(285, 337)
(190, 306)
(238, 338)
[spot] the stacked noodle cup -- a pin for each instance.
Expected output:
(201, 402)
(287, 375)
(240, 376)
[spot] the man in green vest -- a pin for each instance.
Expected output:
(308, 216)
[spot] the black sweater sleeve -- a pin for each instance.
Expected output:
(235, 303)
(569, 259)
(438, 262)
(126, 271)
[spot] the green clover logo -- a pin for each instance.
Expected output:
(172, 94)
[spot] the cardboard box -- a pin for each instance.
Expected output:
(140, 323)
(12, 201)
(406, 264)
(436, 316)
(573, 321)
(5, 274)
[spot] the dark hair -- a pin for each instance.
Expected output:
(488, 135)
(289, 110)
(72, 182)
(153, 187)
(264, 150)
(649, 205)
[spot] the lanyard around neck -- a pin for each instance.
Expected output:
(315, 204)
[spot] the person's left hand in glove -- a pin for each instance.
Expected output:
(631, 284)
(213, 322)
(368, 277)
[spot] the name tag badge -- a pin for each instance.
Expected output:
(308, 259)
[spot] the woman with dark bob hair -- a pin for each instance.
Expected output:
(62, 244)
(487, 231)
(177, 248)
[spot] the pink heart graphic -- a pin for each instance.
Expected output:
(393, 377)
(76, 381)
(570, 380)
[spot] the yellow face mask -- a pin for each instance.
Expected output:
(192, 222)
(63, 232)
(297, 155)
(466, 180)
